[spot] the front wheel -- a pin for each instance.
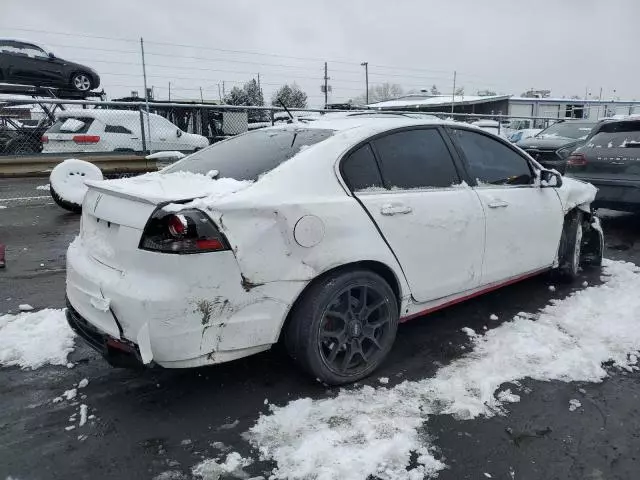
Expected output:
(81, 82)
(571, 246)
(343, 327)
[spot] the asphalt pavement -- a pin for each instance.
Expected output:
(149, 421)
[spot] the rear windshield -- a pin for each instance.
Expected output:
(248, 156)
(617, 135)
(575, 130)
(71, 125)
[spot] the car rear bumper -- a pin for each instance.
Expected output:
(180, 316)
(615, 194)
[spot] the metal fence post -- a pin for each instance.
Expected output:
(272, 117)
(144, 140)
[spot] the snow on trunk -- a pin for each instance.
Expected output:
(373, 431)
(33, 339)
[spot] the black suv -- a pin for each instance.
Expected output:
(552, 146)
(610, 160)
(27, 64)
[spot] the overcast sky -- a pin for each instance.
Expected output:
(507, 46)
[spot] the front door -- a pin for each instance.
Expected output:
(33, 66)
(523, 220)
(432, 222)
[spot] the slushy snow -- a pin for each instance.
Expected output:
(32, 339)
(210, 469)
(375, 431)
(574, 404)
(25, 307)
(83, 415)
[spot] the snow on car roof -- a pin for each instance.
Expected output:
(435, 101)
(99, 113)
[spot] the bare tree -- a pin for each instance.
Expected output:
(459, 91)
(486, 93)
(380, 93)
(434, 90)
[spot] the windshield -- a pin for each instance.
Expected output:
(575, 130)
(248, 156)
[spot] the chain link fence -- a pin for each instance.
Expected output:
(69, 127)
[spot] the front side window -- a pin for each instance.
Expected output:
(416, 159)
(490, 161)
(33, 51)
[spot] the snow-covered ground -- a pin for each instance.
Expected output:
(373, 431)
(33, 339)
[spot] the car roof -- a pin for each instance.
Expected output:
(366, 122)
(99, 113)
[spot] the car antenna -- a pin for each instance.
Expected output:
(293, 120)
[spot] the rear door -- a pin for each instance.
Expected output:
(523, 220)
(409, 184)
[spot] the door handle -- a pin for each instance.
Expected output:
(397, 209)
(498, 204)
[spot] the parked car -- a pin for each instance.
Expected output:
(610, 160)
(18, 138)
(27, 63)
(491, 126)
(102, 130)
(553, 145)
(525, 133)
(324, 235)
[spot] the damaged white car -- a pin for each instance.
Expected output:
(324, 236)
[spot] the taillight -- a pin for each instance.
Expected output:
(577, 160)
(44, 139)
(188, 231)
(86, 138)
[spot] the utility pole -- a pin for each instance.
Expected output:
(259, 88)
(146, 92)
(224, 93)
(366, 81)
(219, 94)
(169, 91)
(326, 86)
(201, 97)
(453, 95)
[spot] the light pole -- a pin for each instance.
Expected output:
(366, 81)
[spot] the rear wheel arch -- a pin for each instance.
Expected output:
(374, 266)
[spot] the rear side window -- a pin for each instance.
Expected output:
(116, 129)
(360, 170)
(71, 125)
(492, 162)
(416, 159)
(252, 154)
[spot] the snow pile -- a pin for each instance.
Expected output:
(574, 404)
(46, 187)
(210, 469)
(373, 431)
(68, 179)
(33, 339)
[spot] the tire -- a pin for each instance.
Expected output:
(81, 82)
(593, 245)
(333, 337)
(571, 244)
(67, 183)
(71, 206)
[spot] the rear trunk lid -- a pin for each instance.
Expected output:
(115, 212)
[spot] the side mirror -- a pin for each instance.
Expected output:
(178, 133)
(550, 179)
(51, 56)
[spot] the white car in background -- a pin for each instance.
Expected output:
(323, 235)
(103, 130)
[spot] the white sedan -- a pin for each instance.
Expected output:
(323, 235)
